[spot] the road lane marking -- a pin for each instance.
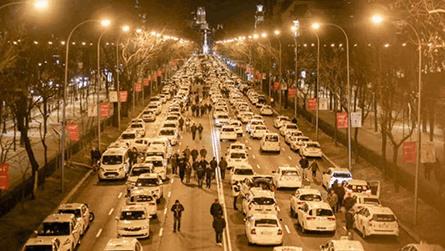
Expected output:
(290, 158)
(257, 165)
(278, 208)
(287, 228)
(99, 233)
(171, 181)
(282, 148)
(253, 156)
(111, 211)
(169, 194)
(161, 231)
(165, 211)
(120, 195)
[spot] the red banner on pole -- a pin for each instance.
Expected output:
(137, 87)
(276, 86)
(292, 92)
(123, 96)
(159, 73)
(409, 149)
(4, 176)
(312, 104)
(104, 110)
(73, 131)
(146, 81)
(342, 120)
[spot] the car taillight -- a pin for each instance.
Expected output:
(253, 231)
(280, 232)
(310, 218)
(331, 218)
(300, 202)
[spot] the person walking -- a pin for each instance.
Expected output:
(349, 218)
(181, 123)
(193, 110)
(187, 124)
(177, 210)
(209, 175)
(174, 162)
(186, 153)
(216, 209)
(340, 191)
(194, 128)
(133, 156)
(95, 156)
(194, 153)
(314, 169)
(219, 223)
(200, 129)
(332, 200)
(223, 167)
(214, 165)
(203, 153)
(200, 172)
(235, 193)
(182, 167)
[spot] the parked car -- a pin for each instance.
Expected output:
(264, 229)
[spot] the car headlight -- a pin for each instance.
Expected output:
(145, 227)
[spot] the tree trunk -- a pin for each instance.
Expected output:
(395, 151)
(384, 144)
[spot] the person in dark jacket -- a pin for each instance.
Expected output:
(182, 166)
(200, 129)
(194, 128)
(181, 123)
(340, 191)
(203, 153)
(194, 153)
(177, 210)
(174, 163)
(200, 172)
(209, 175)
(223, 167)
(216, 209)
(186, 153)
(219, 223)
(95, 156)
(214, 164)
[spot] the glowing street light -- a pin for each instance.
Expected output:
(277, 32)
(125, 28)
(315, 26)
(263, 34)
(105, 22)
(255, 36)
(41, 4)
(138, 30)
(377, 19)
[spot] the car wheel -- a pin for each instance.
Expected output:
(364, 235)
(303, 230)
(92, 216)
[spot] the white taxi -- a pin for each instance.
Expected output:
(252, 123)
(279, 120)
(289, 135)
(270, 143)
(171, 134)
(159, 165)
(236, 158)
(142, 197)
(245, 117)
(335, 174)
(221, 119)
(376, 220)
(343, 244)
(43, 243)
(237, 146)
(227, 132)
(316, 216)
(264, 229)
(258, 131)
(363, 199)
(140, 144)
(127, 244)
(151, 183)
(238, 126)
(114, 164)
(134, 221)
(311, 149)
(297, 142)
(148, 116)
(266, 110)
(288, 177)
(240, 172)
(258, 201)
(81, 211)
(288, 127)
(139, 127)
(136, 170)
(63, 227)
(301, 196)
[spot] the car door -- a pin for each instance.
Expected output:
(76, 231)
(85, 216)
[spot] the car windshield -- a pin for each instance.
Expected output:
(141, 198)
(291, 126)
(260, 128)
(223, 116)
(76, 212)
(137, 126)
(55, 228)
(38, 248)
(323, 212)
(128, 136)
(132, 215)
(266, 223)
(152, 182)
(373, 201)
(154, 154)
(383, 217)
(140, 170)
(272, 138)
(167, 133)
(358, 188)
(172, 118)
(236, 147)
(237, 155)
(263, 201)
(342, 175)
(155, 163)
(111, 159)
(157, 143)
(310, 197)
(284, 119)
(228, 129)
(243, 172)
(289, 173)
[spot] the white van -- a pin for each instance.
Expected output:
(114, 164)
(270, 143)
(119, 244)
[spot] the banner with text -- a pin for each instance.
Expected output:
(409, 152)
(342, 120)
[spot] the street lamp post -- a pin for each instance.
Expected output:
(317, 86)
(98, 80)
(125, 29)
(316, 26)
(38, 4)
(296, 29)
(65, 87)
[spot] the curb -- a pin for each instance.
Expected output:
(70, 194)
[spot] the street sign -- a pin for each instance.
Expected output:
(123, 95)
(146, 81)
(291, 92)
(113, 96)
(104, 110)
(323, 104)
(342, 120)
(312, 104)
(409, 152)
(356, 119)
(137, 87)
(73, 131)
(276, 85)
(4, 176)
(92, 110)
(428, 152)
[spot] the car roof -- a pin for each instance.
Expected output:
(134, 207)
(243, 166)
(71, 206)
(115, 151)
(258, 216)
(373, 209)
(357, 182)
(318, 204)
(41, 240)
(59, 218)
(339, 169)
(149, 176)
(262, 193)
(343, 244)
(120, 243)
(290, 168)
(308, 190)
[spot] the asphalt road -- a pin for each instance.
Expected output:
(106, 198)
